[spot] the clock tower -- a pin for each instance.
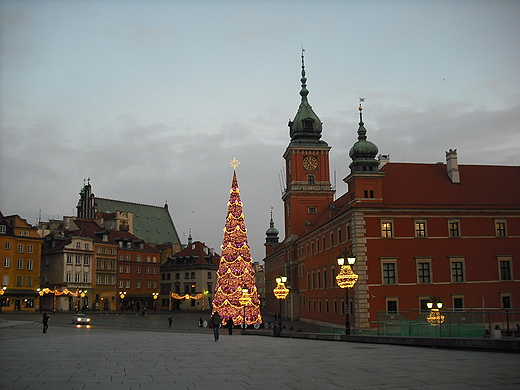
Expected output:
(308, 190)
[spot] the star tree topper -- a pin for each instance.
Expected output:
(234, 163)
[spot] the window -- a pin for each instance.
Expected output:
(312, 210)
(457, 271)
(454, 228)
(87, 246)
(121, 258)
(120, 284)
(105, 264)
(387, 229)
(86, 260)
(69, 259)
(19, 281)
(5, 280)
(423, 271)
(29, 281)
(68, 278)
(210, 275)
(3, 229)
(112, 280)
(193, 275)
(148, 270)
(423, 304)
(98, 279)
(19, 264)
(458, 303)
(500, 228)
(154, 270)
(78, 245)
(310, 179)
(86, 278)
(186, 275)
(506, 301)
(20, 248)
(138, 270)
(127, 269)
(420, 229)
(30, 248)
(112, 265)
(127, 257)
(105, 279)
(78, 278)
(389, 272)
(7, 244)
(78, 260)
(7, 261)
(98, 264)
(391, 306)
(128, 245)
(138, 258)
(127, 284)
(120, 244)
(505, 269)
(177, 276)
(29, 264)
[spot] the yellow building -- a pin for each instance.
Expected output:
(20, 252)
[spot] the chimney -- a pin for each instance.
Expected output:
(453, 166)
(383, 159)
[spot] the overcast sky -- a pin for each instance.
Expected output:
(153, 99)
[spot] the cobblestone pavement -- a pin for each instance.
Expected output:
(68, 357)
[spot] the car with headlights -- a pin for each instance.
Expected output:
(80, 319)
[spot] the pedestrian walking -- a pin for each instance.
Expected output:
(215, 323)
(170, 320)
(229, 325)
(45, 322)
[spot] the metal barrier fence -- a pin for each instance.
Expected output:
(474, 323)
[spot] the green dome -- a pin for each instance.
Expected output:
(363, 152)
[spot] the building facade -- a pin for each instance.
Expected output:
(417, 231)
(188, 278)
(20, 252)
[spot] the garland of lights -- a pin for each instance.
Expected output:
(236, 288)
(187, 296)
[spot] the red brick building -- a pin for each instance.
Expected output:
(416, 231)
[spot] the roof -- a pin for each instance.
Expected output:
(196, 253)
(407, 184)
(151, 223)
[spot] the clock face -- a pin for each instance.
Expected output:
(310, 163)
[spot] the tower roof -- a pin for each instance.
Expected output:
(306, 126)
(363, 152)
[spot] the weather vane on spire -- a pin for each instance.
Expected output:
(234, 163)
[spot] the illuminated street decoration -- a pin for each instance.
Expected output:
(435, 317)
(280, 291)
(236, 270)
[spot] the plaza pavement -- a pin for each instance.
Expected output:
(68, 357)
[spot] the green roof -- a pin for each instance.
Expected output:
(153, 224)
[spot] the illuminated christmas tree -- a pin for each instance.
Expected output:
(235, 292)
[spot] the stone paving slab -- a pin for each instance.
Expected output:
(80, 358)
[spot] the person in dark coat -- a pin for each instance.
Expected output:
(229, 325)
(170, 320)
(216, 321)
(45, 322)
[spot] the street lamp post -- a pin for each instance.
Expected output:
(155, 296)
(280, 292)
(122, 295)
(2, 292)
(435, 317)
(244, 300)
(346, 279)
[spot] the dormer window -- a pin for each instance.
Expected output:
(105, 237)
(120, 244)
(128, 245)
(308, 123)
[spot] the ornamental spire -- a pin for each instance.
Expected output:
(303, 92)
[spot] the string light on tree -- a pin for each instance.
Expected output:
(236, 270)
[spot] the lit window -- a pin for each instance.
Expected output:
(500, 229)
(454, 228)
(420, 229)
(387, 229)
